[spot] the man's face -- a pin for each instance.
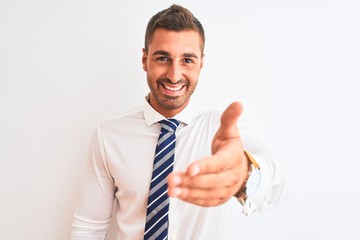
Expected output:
(173, 63)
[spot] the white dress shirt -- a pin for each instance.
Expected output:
(120, 167)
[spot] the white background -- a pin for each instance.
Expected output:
(65, 65)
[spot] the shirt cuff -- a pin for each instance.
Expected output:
(256, 187)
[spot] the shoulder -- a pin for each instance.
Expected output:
(206, 116)
(125, 120)
(213, 116)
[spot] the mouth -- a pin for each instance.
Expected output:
(175, 89)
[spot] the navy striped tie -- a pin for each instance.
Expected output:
(156, 226)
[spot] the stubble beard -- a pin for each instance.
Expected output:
(171, 102)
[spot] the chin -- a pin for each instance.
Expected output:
(173, 103)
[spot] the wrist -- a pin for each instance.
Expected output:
(242, 195)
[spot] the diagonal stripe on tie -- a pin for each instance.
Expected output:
(163, 158)
(156, 226)
(159, 175)
(164, 146)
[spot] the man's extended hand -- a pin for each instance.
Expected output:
(214, 180)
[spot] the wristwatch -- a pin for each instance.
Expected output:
(252, 181)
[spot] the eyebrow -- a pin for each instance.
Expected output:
(161, 52)
(167, 54)
(190, 55)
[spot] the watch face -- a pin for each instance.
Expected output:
(253, 182)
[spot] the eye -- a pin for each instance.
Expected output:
(188, 60)
(163, 59)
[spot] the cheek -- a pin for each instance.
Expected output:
(193, 76)
(156, 71)
(152, 77)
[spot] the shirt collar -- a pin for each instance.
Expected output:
(152, 116)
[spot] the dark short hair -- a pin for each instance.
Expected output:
(174, 18)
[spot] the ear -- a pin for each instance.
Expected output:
(202, 61)
(144, 59)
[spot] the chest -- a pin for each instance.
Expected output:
(130, 159)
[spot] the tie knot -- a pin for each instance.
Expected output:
(169, 124)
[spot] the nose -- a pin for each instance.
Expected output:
(174, 72)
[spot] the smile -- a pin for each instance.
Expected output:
(173, 89)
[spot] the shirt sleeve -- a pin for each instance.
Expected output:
(269, 187)
(93, 214)
(268, 183)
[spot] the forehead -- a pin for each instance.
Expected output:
(172, 41)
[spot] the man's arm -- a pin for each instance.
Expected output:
(214, 180)
(93, 213)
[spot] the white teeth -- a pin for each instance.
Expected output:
(172, 88)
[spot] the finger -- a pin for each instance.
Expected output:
(220, 161)
(175, 179)
(229, 118)
(206, 197)
(212, 164)
(227, 178)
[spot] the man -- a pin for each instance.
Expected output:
(208, 163)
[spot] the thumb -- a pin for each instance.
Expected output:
(228, 127)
